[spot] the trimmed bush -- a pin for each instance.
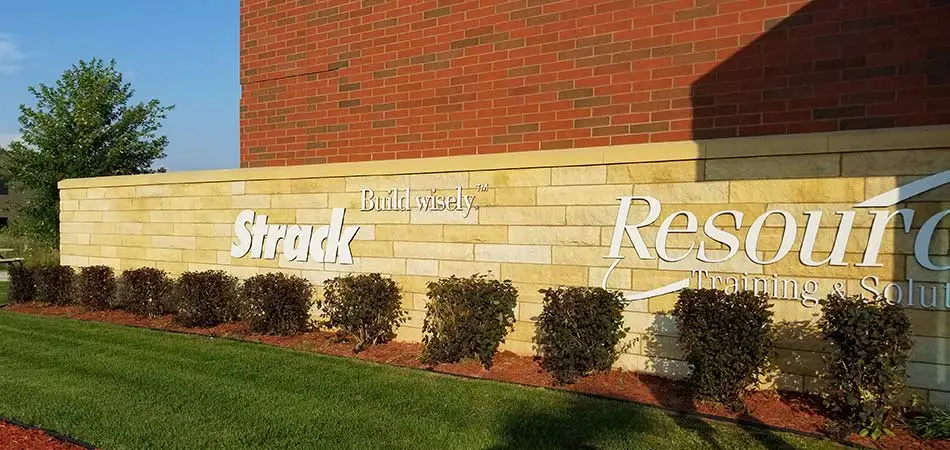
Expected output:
(365, 307)
(934, 424)
(578, 331)
(22, 285)
(206, 299)
(95, 287)
(467, 317)
(726, 339)
(276, 303)
(865, 368)
(144, 292)
(54, 284)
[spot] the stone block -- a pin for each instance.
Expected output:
(290, 201)
(532, 215)
(579, 175)
(567, 235)
(468, 268)
(409, 233)
(606, 194)
(797, 191)
(707, 192)
(434, 250)
(516, 196)
(655, 172)
(475, 233)
(774, 167)
(511, 178)
(427, 267)
(903, 162)
(427, 181)
(513, 253)
(545, 274)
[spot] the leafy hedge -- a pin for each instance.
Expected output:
(145, 292)
(364, 307)
(276, 303)
(96, 287)
(54, 284)
(865, 369)
(22, 285)
(467, 317)
(726, 339)
(578, 331)
(206, 299)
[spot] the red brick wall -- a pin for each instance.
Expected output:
(342, 80)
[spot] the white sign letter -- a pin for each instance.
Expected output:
(788, 237)
(243, 245)
(664, 230)
(922, 244)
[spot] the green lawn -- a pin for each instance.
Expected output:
(4, 287)
(125, 388)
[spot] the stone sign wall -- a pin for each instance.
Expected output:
(797, 217)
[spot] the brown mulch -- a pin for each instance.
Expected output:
(781, 410)
(13, 437)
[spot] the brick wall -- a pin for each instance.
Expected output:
(336, 80)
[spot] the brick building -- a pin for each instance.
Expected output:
(335, 81)
(801, 148)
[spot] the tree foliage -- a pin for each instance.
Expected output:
(85, 125)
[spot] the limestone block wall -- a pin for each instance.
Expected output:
(550, 218)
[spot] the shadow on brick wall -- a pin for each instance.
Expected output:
(833, 65)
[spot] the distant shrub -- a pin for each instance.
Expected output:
(22, 285)
(206, 299)
(95, 287)
(276, 303)
(579, 330)
(54, 284)
(364, 307)
(865, 368)
(934, 424)
(726, 339)
(467, 317)
(145, 292)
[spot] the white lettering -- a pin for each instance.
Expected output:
(621, 227)
(720, 236)
(664, 231)
(881, 218)
(788, 237)
(922, 243)
(836, 257)
(243, 245)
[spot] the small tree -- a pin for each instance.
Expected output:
(84, 126)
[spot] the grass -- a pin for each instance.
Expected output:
(126, 388)
(4, 288)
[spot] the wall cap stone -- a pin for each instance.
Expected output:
(795, 144)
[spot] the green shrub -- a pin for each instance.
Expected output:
(578, 331)
(95, 287)
(22, 285)
(54, 284)
(364, 307)
(467, 317)
(276, 303)
(865, 369)
(726, 339)
(933, 424)
(145, 292)
(206, 299)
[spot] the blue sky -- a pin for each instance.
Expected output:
(182, 52)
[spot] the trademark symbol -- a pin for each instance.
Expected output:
(481, 187)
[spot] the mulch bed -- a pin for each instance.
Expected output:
(13, 437)
(781, 410)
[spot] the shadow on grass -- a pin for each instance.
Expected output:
(582, 425)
